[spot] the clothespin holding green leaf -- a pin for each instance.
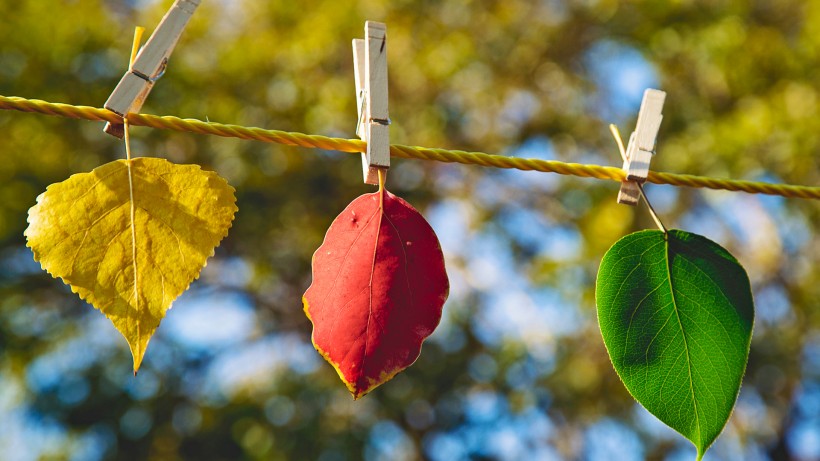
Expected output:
(641, 146)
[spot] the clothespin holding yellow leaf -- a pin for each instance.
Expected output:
(130, 236)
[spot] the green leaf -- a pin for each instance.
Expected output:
(130, 236)
(676, 315)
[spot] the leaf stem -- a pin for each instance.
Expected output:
(127, 139)
(382, 179)
(652, 210)
(617, 135)
(135, 46)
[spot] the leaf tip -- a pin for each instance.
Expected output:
(137, 361)
(138, 346)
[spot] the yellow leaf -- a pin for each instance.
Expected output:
(130, 237)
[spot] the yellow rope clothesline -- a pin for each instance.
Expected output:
(396, 150)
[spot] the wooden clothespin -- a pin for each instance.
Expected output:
(150, 64)
(641, 146)
(370, 66)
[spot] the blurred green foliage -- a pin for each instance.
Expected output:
(517, 369)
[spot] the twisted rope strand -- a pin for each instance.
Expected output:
(396, 150)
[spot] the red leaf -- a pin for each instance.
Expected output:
(378, 288)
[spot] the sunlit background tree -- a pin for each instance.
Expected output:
(517, 368)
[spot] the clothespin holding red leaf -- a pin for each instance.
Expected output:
(641, 146)
(370, 66)
(149, 65)
(379, 282)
